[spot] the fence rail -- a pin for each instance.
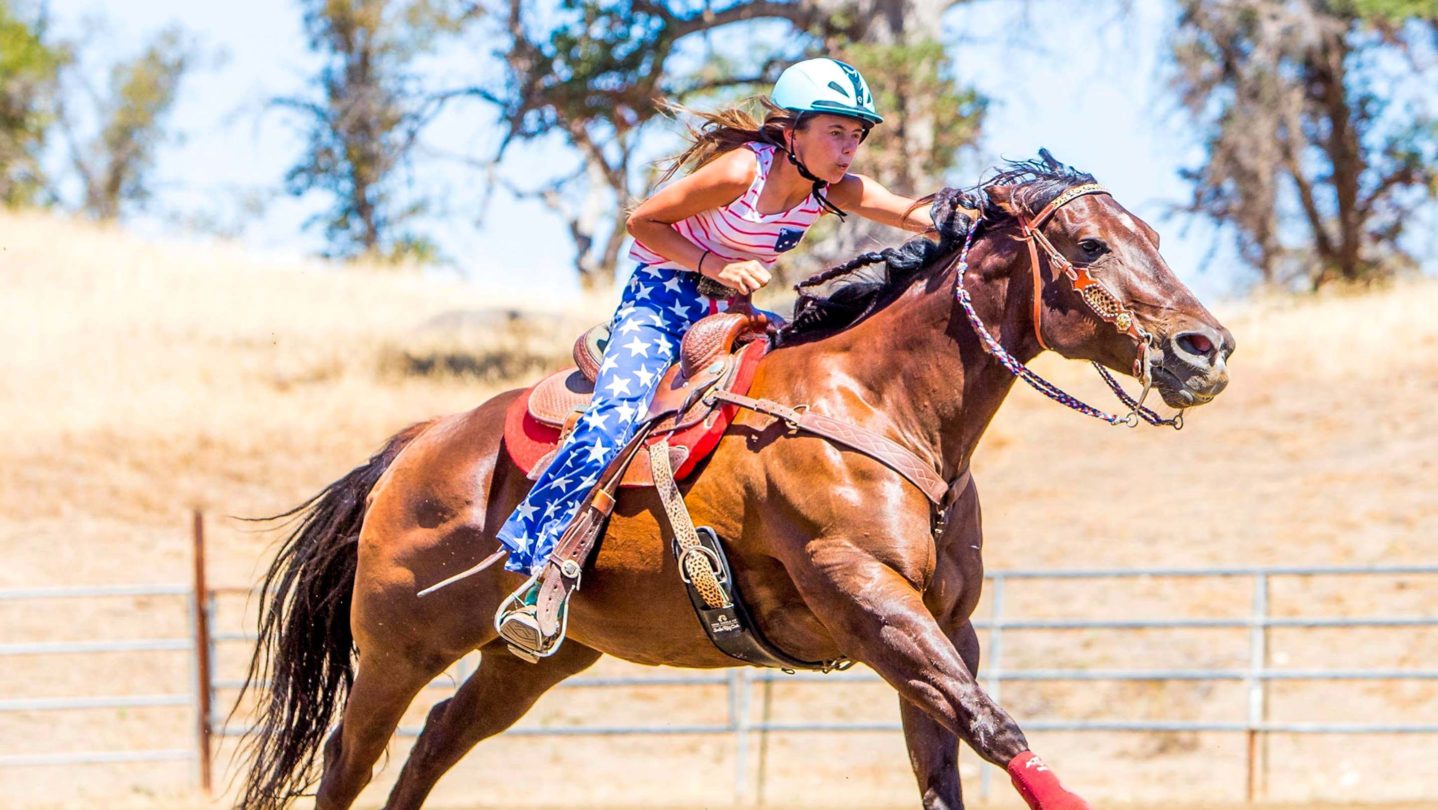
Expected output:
(202, 604)
(96, 702)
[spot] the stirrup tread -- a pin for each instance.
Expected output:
(519, 628)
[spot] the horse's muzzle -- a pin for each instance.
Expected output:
(1191, 367)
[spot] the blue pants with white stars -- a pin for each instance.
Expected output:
(658, 306)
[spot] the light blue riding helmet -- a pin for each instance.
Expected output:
(825, 85)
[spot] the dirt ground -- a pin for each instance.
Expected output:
(147, 380)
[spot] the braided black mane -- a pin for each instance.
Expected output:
(836, 299)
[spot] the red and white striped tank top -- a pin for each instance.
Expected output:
(738, 231)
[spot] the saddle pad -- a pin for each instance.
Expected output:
(530, 441)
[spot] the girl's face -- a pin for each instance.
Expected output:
(827, 144)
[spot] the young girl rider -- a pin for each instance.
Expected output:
(757, 189)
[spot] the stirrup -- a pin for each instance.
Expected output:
(518, 624)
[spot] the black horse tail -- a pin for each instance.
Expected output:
(303, 663)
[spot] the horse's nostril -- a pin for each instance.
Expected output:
(1196, 344)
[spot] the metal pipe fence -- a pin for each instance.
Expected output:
(994, 674)
(203, 645)
(185, 593)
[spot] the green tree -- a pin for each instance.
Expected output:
(363, 124)
(116, 165)
(29, 74)
(1320, 144)
(1389, 11)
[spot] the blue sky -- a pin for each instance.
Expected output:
(1055, 83)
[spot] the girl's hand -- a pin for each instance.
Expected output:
(746, 276)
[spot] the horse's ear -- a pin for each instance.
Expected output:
(1050, 161)
(1003, 197)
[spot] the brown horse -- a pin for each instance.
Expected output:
(836, 553)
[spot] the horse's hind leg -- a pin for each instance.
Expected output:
(500, 692)
(385, 684)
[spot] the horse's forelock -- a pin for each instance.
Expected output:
(1034, 184)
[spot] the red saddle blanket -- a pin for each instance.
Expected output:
(531, 441)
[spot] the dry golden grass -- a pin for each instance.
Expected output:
(145, 379)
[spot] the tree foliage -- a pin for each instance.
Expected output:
(116, 165)
(29, 74)
(364, 120)
(1315, 122)
(1388, 11)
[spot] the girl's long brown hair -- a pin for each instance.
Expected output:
(725, 130)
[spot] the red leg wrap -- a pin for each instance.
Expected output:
(1039, 787)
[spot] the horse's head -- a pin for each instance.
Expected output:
(1105, 292)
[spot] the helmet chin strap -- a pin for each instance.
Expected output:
(819, 184)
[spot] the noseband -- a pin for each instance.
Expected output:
(1103, 303)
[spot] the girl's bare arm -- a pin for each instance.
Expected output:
(869, 199)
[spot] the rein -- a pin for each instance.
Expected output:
(1103, 303)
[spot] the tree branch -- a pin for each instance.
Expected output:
(763, 76)
(802, 15)
(1307, 199)
(1404, 175)
(594, 154)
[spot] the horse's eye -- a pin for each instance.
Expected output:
(1093, 247)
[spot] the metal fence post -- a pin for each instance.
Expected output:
(766, 716)
(1257, 679)
(200, 604)
(739, 721)
(1265, 737)
(993, 672)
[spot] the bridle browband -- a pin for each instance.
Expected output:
(1104, 304)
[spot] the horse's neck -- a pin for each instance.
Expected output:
(937, 382)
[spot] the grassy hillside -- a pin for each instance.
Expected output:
(147, 379)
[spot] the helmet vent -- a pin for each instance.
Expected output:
(836, 86)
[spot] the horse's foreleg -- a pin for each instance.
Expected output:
(878, 617)
(934, 749)
(500, 692)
